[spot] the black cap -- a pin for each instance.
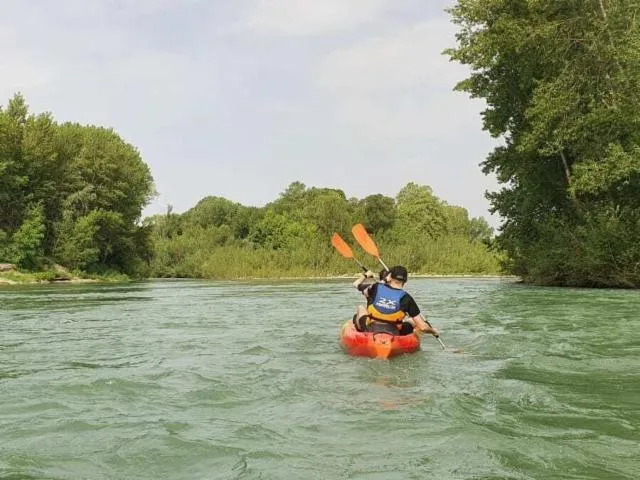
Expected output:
(399, 273)
(383, 273)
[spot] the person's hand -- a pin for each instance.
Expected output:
(369, 274)
(431, 330)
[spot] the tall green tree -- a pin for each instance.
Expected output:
(70, 193)
(328, 211)
(419, 213)
(379, 212)
(560, 79)
(13, 177)
(214, 211)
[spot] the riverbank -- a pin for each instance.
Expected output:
(29, 278)
(57, 275)
(470, 276)
(63, 276)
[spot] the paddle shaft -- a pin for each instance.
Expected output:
(365, 269)
(437, 336)
(383, 264)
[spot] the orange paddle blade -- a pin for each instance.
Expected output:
(341, 246)
(365, 240)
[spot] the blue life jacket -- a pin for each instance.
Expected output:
(385, 306)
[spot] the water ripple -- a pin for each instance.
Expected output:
(246, 380)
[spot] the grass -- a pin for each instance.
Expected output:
(57, 276)
(451, 256)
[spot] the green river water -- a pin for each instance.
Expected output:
(247, 380)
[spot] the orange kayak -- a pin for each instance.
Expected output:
(376, 345)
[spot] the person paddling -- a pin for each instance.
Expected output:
(363, 282)
(388, 305)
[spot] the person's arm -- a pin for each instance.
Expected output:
(361, 278)
(369, 291)
(424, 326)
(414, 312)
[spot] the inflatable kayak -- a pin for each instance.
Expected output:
(376, 345)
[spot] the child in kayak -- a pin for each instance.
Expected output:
(388, 305)
(365, 280)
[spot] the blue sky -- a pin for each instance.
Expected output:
(240, 98)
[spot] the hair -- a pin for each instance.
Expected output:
(383, 274)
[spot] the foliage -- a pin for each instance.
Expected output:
(54, 275)
(560, 79)
(290, 236)
(379, 212)
(23, 247)
(70, 194)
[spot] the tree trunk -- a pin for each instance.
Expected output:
(604, 12)
(567, 172)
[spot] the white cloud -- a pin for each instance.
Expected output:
(409, 58)
(311, 17)
(78, 59)
(398, 85)
(145, 87)
(135, 8)
(16, 64)
(16, 69)
(96, 10)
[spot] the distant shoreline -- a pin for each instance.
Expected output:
(26, 279)
(426, 276)
(8, 281)
(348, 277)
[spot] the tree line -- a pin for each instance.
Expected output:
(291, 235)
(73, 195)
(560, 79)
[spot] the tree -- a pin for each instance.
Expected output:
(66, 190)
(12, 175)
(479, 229)
(24, 246)
(328, 211)
(419, 212)
(379, 212)
(292, 200)
(560, 81)
(213, 211)
(457, 220)
(276, 231)
(79, 249)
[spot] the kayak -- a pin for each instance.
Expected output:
(376, 345)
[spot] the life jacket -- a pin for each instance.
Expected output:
(385, 306)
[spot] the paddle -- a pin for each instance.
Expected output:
(369, 246)
(344, 249)
(366, 242)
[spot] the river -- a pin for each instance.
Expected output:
(247, 380)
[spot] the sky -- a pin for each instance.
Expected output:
(239, 98)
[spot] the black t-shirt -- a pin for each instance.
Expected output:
(366, 283)
(407, 304)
